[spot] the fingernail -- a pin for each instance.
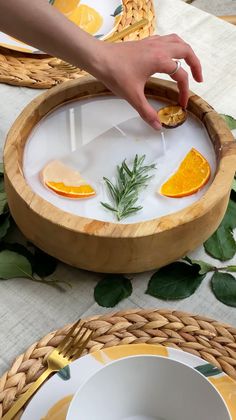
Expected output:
(156, 125)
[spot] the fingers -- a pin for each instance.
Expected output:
(181, 77)
(183, 50)
(172, 38)
(175, 47)
(145, 110)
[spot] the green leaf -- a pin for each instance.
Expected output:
(221, 244)
(175, 281)
(1, 168)
(224, 288)
(229, 220)
(231, 268)
(43, 264)
(64, 373)
(233, 195)
(19, 249)
(118, 10)
(203, 266)
(230, 121)
(234, 185)
(233, 191)
(2, 188)
(3, 202)
(111, 290)
(14, 265)
(4, 225)
(208, 370)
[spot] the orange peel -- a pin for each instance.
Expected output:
(65, 181)
(192, 174)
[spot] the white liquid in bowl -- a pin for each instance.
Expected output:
(94, 136)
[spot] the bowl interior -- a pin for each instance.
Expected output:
(147, 388)
(81, 135)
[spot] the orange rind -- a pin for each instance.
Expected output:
(192, 174)
(65, 181)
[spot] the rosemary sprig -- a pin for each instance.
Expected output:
(125, 192)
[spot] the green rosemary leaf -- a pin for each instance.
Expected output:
(108, 207)
(131, 211)
(136, 163)
(126, 168)
(125, 192)
(112, 189)
(141, 160)
(121, 179)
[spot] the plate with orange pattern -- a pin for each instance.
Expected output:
(100, 19)
(53, 399)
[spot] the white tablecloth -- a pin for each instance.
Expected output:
(29, 310)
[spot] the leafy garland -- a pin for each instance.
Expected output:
(178, 280)
(181, 279)
(22, 260)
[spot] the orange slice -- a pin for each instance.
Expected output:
(82, 191)
(86, 18)
(172, 116)
(192, 174)
(66, 6)
(64, 181)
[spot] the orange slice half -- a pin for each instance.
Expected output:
(192, 174)
(81, 191)
(65, 182)
(86, 18)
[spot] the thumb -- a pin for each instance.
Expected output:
(146, 111)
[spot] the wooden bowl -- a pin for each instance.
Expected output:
(113, 247)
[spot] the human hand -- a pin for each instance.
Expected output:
(125, 67)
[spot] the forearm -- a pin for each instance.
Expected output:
(37, 23)
(123, 67)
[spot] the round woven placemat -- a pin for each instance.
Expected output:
(42, 72)
(213, 341)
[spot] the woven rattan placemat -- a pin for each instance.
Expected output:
(42, 72)
(213, 341)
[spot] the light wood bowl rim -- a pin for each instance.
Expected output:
(215, 192)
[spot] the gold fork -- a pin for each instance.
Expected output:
(68, 350)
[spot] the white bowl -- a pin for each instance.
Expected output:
(147, 388)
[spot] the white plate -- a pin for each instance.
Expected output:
(58, 391)
(105, 14)
(94, 136)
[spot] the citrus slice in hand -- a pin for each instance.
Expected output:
(192, 174)
(172, 116)
(65, 182)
